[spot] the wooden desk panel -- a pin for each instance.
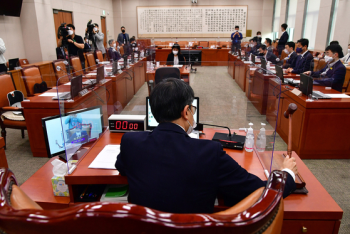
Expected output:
(315, 210)
(40, 107)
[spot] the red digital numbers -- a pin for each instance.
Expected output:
(125, 125)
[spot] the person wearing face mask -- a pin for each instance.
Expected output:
(236, 38)
(87, 46)
(255, 47)
(123, 37)
(113, 53)
(99, 37)
(268, 43)
(268, 55)
(172, 172)
(303, 64)
(333, 74)
(346, 58)
(258, 38)
(75, 42)
(291, 59)
(175, 57)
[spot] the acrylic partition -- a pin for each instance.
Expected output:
(84, 99)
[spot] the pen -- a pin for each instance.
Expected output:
(267, 173)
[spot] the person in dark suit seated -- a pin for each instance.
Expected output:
(87, 46)
(255, 48)
(283, 39)
(333, 74)
(169, 171)
(112, 52)
(291, 59)
(175, 57)
(306, 57)
(268, 55)
(268, 43)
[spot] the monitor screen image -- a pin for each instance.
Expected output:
(79, 127)
(152, 122)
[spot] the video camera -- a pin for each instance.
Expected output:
(63, 32)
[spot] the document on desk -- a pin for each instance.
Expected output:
(106, 158)
(338, 95)
(177, 65)
(253, 68)
(92, 74)
(49, 94)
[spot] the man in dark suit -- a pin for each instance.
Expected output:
(291, 59)
(169, 171)
(112, 52)
(268, 55)
(123, 37)
(258, 38)
(306, 57)
(283, 39)
(333, 74)
(255, 48)
(87, 46)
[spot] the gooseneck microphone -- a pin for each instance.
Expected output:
(200, 126)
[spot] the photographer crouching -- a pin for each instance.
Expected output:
(75, 43)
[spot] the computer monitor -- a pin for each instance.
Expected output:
(279, 72)
(72, 131)
(253, 58)
(13, 63)
(152, 123)
(76, 85)
(263, 65)
(100, 74)
(306, 84)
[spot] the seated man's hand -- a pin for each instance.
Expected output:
(289, 163)
(307, 73)
(290, 69)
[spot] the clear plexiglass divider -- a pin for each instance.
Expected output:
(84, 99)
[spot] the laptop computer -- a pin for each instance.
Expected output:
(13, 63)
(151, 122)
(76, 85)
(306, 87)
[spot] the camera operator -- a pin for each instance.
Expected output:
(98, 37)
(75, 44)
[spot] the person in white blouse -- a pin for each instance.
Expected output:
(3, 67)
(346, 58)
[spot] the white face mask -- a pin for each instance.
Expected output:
(175, 52)
(348, 50)
(70, 32)
(114, 45)
(86, 41)
(95, 28)
(191, 128)
(259, 35)
(286, 51)
(327, 58)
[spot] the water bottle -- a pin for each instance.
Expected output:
(249, 140)
(261, 139)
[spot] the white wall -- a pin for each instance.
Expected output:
(125, 13)
(342, 29)
(11, 33)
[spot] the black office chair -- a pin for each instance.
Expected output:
(166, 72)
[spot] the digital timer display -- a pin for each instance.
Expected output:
(126, 125)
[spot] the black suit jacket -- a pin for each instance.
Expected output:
(283, 40)
(121, 38)
(169, 171)
(291, 61)
(170, 59)
(304, 63)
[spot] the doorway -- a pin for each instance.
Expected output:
(104, 30)
(61, 17)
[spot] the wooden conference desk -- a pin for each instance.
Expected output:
(39, 107)
(46, 71)
(320, 128)
(210, 57)
(317, 211)
(184, 71)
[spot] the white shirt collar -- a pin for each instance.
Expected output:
(180, 126)
(302, 55)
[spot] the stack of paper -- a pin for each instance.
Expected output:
(106, 158)
(115, 193)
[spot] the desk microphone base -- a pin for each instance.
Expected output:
(231, 142)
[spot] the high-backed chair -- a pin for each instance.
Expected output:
(91, 61)
(260, 212)
(121, 50)
(203, 43)
(60, 71)
(23, 62)
(346, 86)
(283, 55)
(183, 44)
(99, 55)
(166, 72)
(76, 64)
(321, 64)
(107, 54)
(7, 85)
(31, 76)
(212, 43)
